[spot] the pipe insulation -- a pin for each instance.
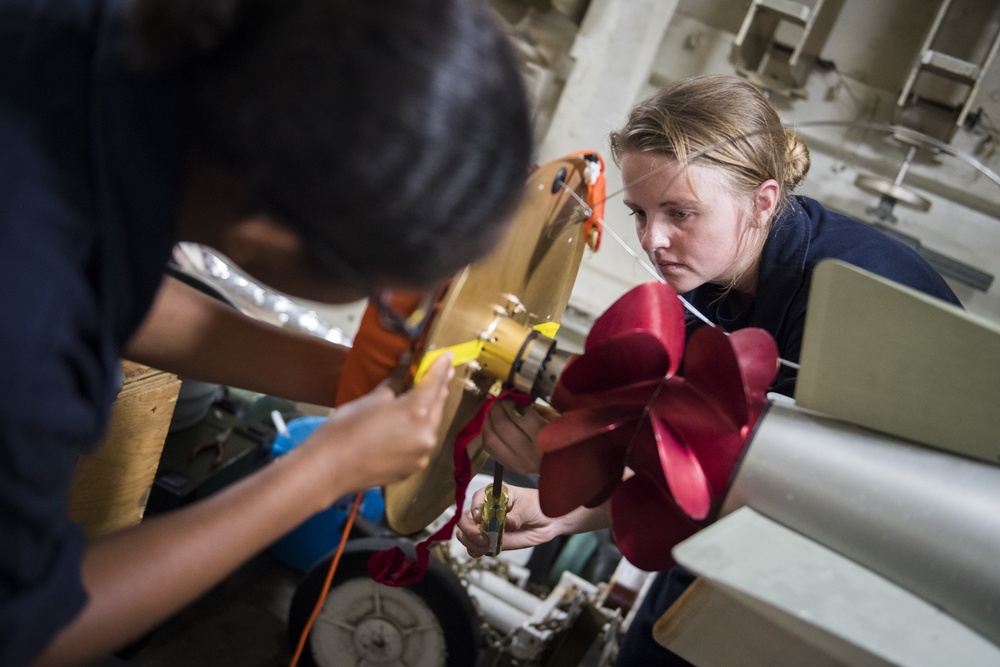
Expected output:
(922, 518)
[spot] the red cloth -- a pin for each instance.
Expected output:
(393, 567)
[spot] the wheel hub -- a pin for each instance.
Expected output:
(378, 641)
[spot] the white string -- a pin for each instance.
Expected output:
(656, 274)
(899, 131)
(587, 212)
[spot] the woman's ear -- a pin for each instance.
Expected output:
(765, 201)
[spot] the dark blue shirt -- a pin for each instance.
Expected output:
(804, 235)
(90, 165)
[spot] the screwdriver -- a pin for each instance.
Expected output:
(495, 511)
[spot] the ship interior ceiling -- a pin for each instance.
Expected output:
(899, 103)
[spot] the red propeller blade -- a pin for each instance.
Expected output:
(647, 523)
(623, 405)
(580, 476)
(685, 476)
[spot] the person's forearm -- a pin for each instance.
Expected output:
(584, 519)
(138, 578)
(196, 336)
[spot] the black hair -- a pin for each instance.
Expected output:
(394, 132)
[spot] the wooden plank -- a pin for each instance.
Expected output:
(887, 357)
(110, 486)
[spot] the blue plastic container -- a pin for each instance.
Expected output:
(319, 535)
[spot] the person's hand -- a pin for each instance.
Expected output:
(526, 526)
(510, 435)
(383, 437)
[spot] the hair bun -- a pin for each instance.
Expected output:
(796, 159)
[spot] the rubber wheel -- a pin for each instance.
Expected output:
(366, 623)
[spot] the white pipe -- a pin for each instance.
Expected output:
(502, 616)
(503, 589)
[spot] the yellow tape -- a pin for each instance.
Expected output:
(463, 352)
(547, 328)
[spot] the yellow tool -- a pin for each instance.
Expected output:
(495, 512)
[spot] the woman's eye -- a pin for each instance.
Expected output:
(681, 215)
(638, 215)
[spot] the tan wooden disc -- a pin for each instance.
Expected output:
(528, 279)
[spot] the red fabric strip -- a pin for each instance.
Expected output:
(393, 567)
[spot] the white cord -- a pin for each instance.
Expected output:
(653, 272)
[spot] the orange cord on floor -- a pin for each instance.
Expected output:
(346, 531)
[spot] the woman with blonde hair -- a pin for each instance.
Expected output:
(709, 173)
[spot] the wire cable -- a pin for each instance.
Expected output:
(346, 531)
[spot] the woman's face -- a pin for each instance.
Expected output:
(691, 225)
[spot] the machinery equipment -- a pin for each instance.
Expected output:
(499, 317)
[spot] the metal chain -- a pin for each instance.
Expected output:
(495, 640)
(493, 637)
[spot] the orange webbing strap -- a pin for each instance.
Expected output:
(596, 194)
(375, 351)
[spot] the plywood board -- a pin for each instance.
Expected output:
(110, 487)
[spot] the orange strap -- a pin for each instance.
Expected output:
(375, 351)
(596, 194)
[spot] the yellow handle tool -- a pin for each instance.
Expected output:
(495, 512)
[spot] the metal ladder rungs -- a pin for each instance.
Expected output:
(787, 10)
(950, 67)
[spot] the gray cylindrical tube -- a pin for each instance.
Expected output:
(923, 518)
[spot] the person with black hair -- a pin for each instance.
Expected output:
(332, 149)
